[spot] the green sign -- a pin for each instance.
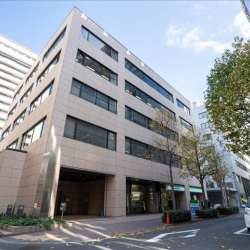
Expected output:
(178, 188)
(194, 205)
(195, 189)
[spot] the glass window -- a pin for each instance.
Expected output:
(98, 43)
(11, 112)
(46, 92)
(32, 73)
(96, 67)
(53, 46)
(27, 93)
(5, 133)
(127, 146)
(186, 124)
(144, 77)
(17, 93)
(13, 145)
(208, 137)
(19, 119)
(205, 125)
(89, 133)
(46, 71)
(202, 114)
(93, 96)
(33, 134)
(140, 95)
(183, 106)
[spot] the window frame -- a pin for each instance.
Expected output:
(14, 125)
(185, 108)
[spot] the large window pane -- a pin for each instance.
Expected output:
(111, 141)
(88, 94)
(127, 146)
(138, 149)
(139, 119)
(102, 101)
(112, 105)
(75, 88)
(37, 132)
(70, 127)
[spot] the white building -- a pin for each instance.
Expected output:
(15, 61)
(238, 165)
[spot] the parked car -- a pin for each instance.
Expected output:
(247, 214)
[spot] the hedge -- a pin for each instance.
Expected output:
(177, 216)
(207, 213)
(228, 210)
(28, 221)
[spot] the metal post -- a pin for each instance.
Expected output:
(62, 216)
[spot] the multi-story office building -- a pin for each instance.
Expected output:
(79, 129)
(15, 61)
(237, 186)
(246, 8)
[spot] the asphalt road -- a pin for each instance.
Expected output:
(223, 233)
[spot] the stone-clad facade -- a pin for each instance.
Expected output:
(92, 178)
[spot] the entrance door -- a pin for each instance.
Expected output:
(86, 203)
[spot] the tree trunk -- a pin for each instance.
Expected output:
(203, 193)
(172, 187)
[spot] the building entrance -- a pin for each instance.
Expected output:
(82, 191)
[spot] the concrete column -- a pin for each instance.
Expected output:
(115, 196)
(185, 198)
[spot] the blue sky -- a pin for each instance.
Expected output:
(178, 39)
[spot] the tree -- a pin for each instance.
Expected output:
(199, 157)
(228, 96)
(166, 146)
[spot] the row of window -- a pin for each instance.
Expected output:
(17, 93)
(96, 67)
(183, 106)
(132, 68)
(243, 158)
(205, 125)
(91, 95)
(54, 44)
(202, 114)
(145, 151)
(32, 73)
(89, 133)
(34, 104)
(98, 43)
(239, 165)
(131, 89)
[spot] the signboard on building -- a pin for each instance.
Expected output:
(37, 205)
(195, 190)
(177, 188)
(194, 205)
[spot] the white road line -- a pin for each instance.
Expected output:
(157, 238)
(242, 230)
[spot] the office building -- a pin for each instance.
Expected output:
(236, 188)
(79, 129)
(15, 61)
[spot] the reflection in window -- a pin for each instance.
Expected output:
(202, 114)
(47, 92)
(19, 119)
(33, 134)
(186, 124)
(131, 89)
(98, 43)
(145, 151)
(25, 96)
(96, 67)
(48, 68)
(91, 95)
(53, 46)
(31, 74)
(5, 133)
(132, 68)
(13, 145)
(11, 112)
(205, 125)
(18, 92)
(89, 133)
(183, 106)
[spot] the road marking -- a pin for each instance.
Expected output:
(242, 230)
(192, 233)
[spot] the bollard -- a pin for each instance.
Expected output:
(101, 215)
(167, 218)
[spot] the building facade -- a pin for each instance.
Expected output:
(81, 130)
(15, 61)
(246, 8)
(237, 186)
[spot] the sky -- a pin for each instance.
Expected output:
(179, 40)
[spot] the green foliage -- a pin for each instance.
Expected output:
(29, 221)
(177, 216)
(227, 96)
(206, 213)
(228, 210)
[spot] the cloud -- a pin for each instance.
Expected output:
(192, 39)
(198, 7)
(241, 22)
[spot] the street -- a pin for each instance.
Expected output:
(223, 233)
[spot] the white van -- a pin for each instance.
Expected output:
(247, 214)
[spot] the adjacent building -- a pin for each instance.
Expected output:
(15, 61)
(236, 188)
(246, 8)
(78, 130)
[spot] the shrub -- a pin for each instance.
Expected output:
(29, 221)
(207, 213)
(177, 216)
(228, 210)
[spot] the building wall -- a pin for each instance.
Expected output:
(79, 155)
(15, 61)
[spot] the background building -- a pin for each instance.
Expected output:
(15, 61)
(79, 129)
(238, 165)
(246, 8)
